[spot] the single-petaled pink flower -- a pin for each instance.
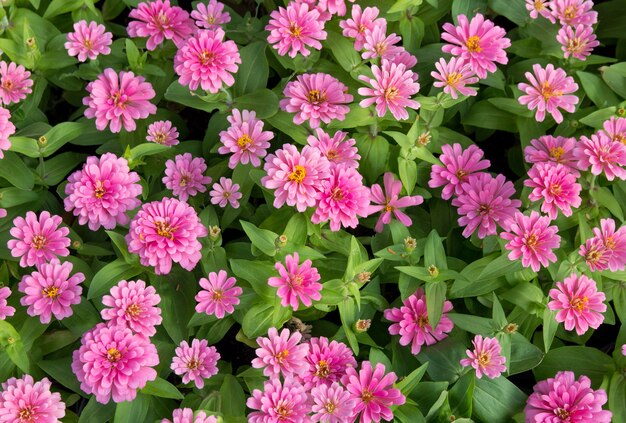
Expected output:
(225, 192)
(5, 309)
(533, 239)
(24, 401)
(565, 399)
(540, 7)
(281, 354)
(379, 44)
(549, 90)
(389, 202)
(339, 151)
(294, 29)
(88, 40)
(196, 362)
(486, 357)
(479, 42)
(556, 186)
(392, 87)
(614, 242)
(331, 404)
(602, 155)
(103, 192)
(134, 305)
(207, 61)
(186, 415)
(6, 130)
(615, 129)
(158, 20)
(454, 76)
(38, 240)
(596, 255)
(218, 295)
(577, 42)
(328, 362)
(297, 282)
(316, 97)
(549, 149)
(574, 12)
(458, 165)
(245, 138)
(411, 322)
(15, 83)
(185, 176)
(210, 16)
(363, 20)
(286, 402)
(162, 132)
(166, 231)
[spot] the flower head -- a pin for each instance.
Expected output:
(281, 354)
(458, 165)
(540, 7)
(196, 362)
(556, 186)
(595, 253)
(389, 202)
(162, 132)
(225, 192)
(331, 404)
(134, 305)
(485, 358)
(88, 40)
(5, 309)
(6, 130)
(574, 12)
(363, 20)
(15, 83)
(295, 28)
(23, 401)
(185, 176)
(453, 76)
(218, 295)
(602, 155)
(549, 149)
(577, 42)
(38, 240)
(286, 402)
(378, 44)
(185, 415)
(210, 16)
(615, 129)
(328, 361)
(158, 20)
(614, 243)
(297, 282)
(339, 151)
(245, 138)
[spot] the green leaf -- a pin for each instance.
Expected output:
(581, 360)
(498, 315)
(264, 102)
(54, 170)
(133, 411)
(597, 90)
(374, 152)
(256, 273)
(485, 115)
(343, 51)
(434, 252)
(525, 295)
(597, 118)
(435, 298)
(59, 7)
(283, 121)
(60, 135)
(617, 397)
(161, 388)
(606, 199)
(13, 169)
(524, 355)
(133, 55)
(474, 324)
(60, 370)
(348, 315)
(550, 325)
(402, 5)
(409, 383)
(146, 149)
(408, 173)
(262, 239)
(615, 77)
(94, 411)
(235, 404)
(501, 266)
(182, 95)
(254, 70)
(11, 343)
(461, 395)
(260, 318)
(110, 275)
(26, 146)
(11, 197)
(497, 400)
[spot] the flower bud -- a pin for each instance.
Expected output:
(433, 271)
(362, 325)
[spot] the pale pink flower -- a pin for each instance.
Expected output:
(331, 404)
(540, 7)
(158, 20)
(186, 415)
(162, 132)
(602, 155)
(328, 362)
(6, 130)
(458, 165)
(218, 295)
(596, 254)
(24, 401)
(334, 7)
(210, 16)
(281, 354)
(549, 149)
(134, 305)
(486, 357)
(363, 20)
(5, 309)
(549, 90)
(245, 138)
(88, 40)
(577, 42)
(295, 28)
(614, 242)
(390, 203)
(15, 83)
(453, 76)
(225, 192)
(196, 362)
(378, 44)
(624, 349)
(574, 12)
(615, 129)
(556, 186)
(3, 213)
(339, 151)
(38, 240)
(184, 176)
(296, 282)
(286, 402)
(404, 57)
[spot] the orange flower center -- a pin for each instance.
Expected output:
(336, 194)
(193, 364)
(547, 92)
(133, 310)
(454, 78)
(575, 45)
(367, 395)
(473, 44)
(99, 190)
(26, 414)
(362, 29)
(562, 414)
(296, 281)
(51, 292)
(389, 207)
(295, 30)
(532, 241)
(484, 358)
(422, 321)
(609, 243)
(298, 174)
(330, 407)
(315, 96)
(570, 12)
(162, 19)
(159, 137)
(244, 141)
(184, 180)
(391, 93)
(539, 5)
(556, 152)
(323, 369)
(117, 99)
(593, 256)
(8, 84)
(206, 57)
(281, 356)
(88, 44)
(114, 355)
(164, 229)
(38, 242)
(211, 20)
(579, 304)
(380, 48)
(555, 189)
(284, 412)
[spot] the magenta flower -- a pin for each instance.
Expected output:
(166, 231)
(331, 404)
(88, 40)
(287, 402)
(478, 42)
(339, 151)
(556, 186)
(574, 12)
(454, 76)
(158, 20)
(5, 309)
(162, 132)
(540, 7)
(614, 243)
(218, 295)
(458, 165)
(624, 349)
(24, 401)
(392, 88)
(281, 354)
(225, 192)
(389, 202)
(378, 44)
(15, 83)
(119, 100)
(578, 42)
(615, 128)
(404, 57)
(133, 305)
(549, 90)
(485, 358)
(334, 7)
(485, 202)
(602, 155)
(245, 138)
(296, 282)
(3, 213)
(328, 362)
(103, 192)
(6, 130)
(549, 149)
(196, 362)
(184, 176)
(294, 29)
(411, 322)
(533, 239)
(38, 240)
(185, 415)
(596, 255)
(363, 20)
(564, 399)
(210, 16)
(206, 60)
(316, 97)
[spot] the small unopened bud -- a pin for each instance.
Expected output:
(409, 244)
(362, 325)
(452, 418)
(621, 112)
(362, 277)
(31, 42)
(76, 245)
(214, 233)
(433, 271)
(280, 241)
(11, 340)
(423, 139)
(511, 328)
(43, 140)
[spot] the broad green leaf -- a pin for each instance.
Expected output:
(259, 319)
(402, 5)
(617, 397)
(343, 51)
(133, 411)
(435, 298)
(550, 325)
(597, 90)
(524, 355)
(146, 149)
(235, 404)
(162, 388)
(262, 239)
(61, 371)
(256, 273)
(615, 77)
(525, 295)
(13, 169)
(497, 400)
(60, 135)
(501, 266)
(110, 275)
(485, 115)
(461, 395)
(264, 102)
(26, 146)
(11, 343)
(254, 70)
(434, 253)
(409, 383)
(94, 411)
(581, 360)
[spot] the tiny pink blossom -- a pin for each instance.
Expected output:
(296, 282)
(596, 254)
(331, 404)
(3, 213)
(615, 129)
(602, 155)
(389, 203)
(162, 132)
(339, 151)
(159, 21)
(486, 358)
(286, 402)
(196, 362)
(24, 401)
(363, 20)
(295, 28)
(210, 16)
(454, 76)
(15, 83)
(225, 192)
(5, 309)
(574, 12)
(457, 166)
(556, 186)
(378, 44)
(245, 138)
(577, 42)
(134, 305)
(328, 362)
(185, 415)
(540, 7)
(6, 130)
(624, 349)
(614, 242)
(88, 40)
(281, 354)
(38, 240)
(218, 295)
(549, 149)
(184, 176)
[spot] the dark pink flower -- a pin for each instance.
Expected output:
(574, 12)
(331, 404)
(339, 151)
(184, 176)
(218, 295)
(486, 358)
(458, 165)
(186, 415)
(602, 155)
(295, 28)
(549, 149)
(390, 203)
(297, 282)
(5, 309)
(158, 20)
(38, 240)
(245, 138)
(225, 192)
(196, 362)
(596, 255)
(6, 130)
(577, 42)
(210, 16)
(162, 132)
(134, 305)
(378, 44)
(24, 401)
(88, 40)
(540, 7)
(286, 402)
(15, 83)
(614, 242)
(328, 362)
(453, 76)
(363, 20)
(281, 354)
(556, 186)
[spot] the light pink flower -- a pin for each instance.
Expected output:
(363, 20)
(453, 76)
(339, 151)
(458, 165)
(378, 44)
(615, 129)
(23, 401)
(225, 192)
(485, 358)
(602, 155)
(166, 231)
(162, 132)
(38, 240)
(595, 254)
(549, 149)
(196, 362)
(185, 415)
(294, 29)
(88, 40)
(3, 213)
(390, 203)
(5, 309)
(6, 130)
(404, 57)
(574, 12)
(133, 305)
(281, 354)
(533, 239)
(549, 90)
(334, 7)
(15, 83)
(577, 42)
(218, 295)
(328, 362)
(296, 282)
(556, 186)
(479, 42)
(245, 138)
(331, 404)
(614, 242)
(624, 349)
(210, 16)
(564, 399)
(206, 60)
(103, 192)
(158, 20)
(540, 7)
(287, 402)
(184, 176)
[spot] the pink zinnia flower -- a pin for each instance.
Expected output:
(564, 399)
(549, 90)
(119, 100)
(556, 186)
(485, 358)
(158, 21)
(225, 192)
(162, 132)
(166, 231)
(378, 44)
(294, 29)
(23, 401)
(15, 83)
(245, 138)
(296, 282)
(328, 362)
(602, 155)
(615, 128)
(185, 415)
(196, 362)
(479, 42)
(6, 130)
(210, 16)
(38, 240)
(574, 12)
(88, 40)
(614, 242)
(3, 213)
(134, 305)
(206, 60)
(295, 176)
(218, 295)
(339, 151)
(113, 362)
(316, 97)
(51, 290)
(549, 149)
(334, 7)
(485, 202)
(103, 192)
(578, 42)
(363, 20)
(624, 349)
(389, 202)
(458, 165)
(281, 354)
(595, 254)
(411, 322)
(372, 391)
(533, 239)
(185, 176)
(453, 76)
(404, 57)
(540, 7)
(287, 402)
(5, 309)
(331, 404)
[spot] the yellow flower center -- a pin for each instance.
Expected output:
(570, 12)
(562, 414)
(391, 93)
(114, 355)
(206, 57)
(323, 369)
(461, 173)
(532, 241)
(336, 194)
(556, 152)
(579, 304)
(281, 356)
(133, 310)
(26, 415)
(8, 84)
(380, 48)
(88, 44)
(164, 229)
(217, 295)
(51, 292)
(539, 5)
(389, 207)
(117, 100)
(473, 44)
(284, 412)
(211, 20)
(555, 189)
(609, 243)
(244, 141)
(422, 321)
(193, 364)
(159, 137)
(454, 78)
(547, 92)
(484, 358)
(593, 255)
(99, 190)
(367, 395)
(38, 242)
(330, 407)
(184, 180)
(315, 96)
(295, 30)
(298, 174)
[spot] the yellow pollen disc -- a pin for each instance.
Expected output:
(454, 78)
(547, 92)
(539, 5)
(484, 358)
(164, 229)
(593, 256)
(282, 355)
(244, 141)
(295, 30)
(26, 415)
(330, 407)
(217, 295)
(570, 12)
(88, 44)
(159, 137)
(562, 414)
(296, 281)
(556, 152)
(211, 20)
(556, 189)
(38, 242)
(298, 174)
(461, 174)
(380, 48)
(133, 310)
(206, 57)
(323, 369)
(315, 96)
(336, 194)
(117, 100)
(184, 181)
(579, 304)
(162, 19)
(367, 395)
(473, 44)
(532, 241)
(362, 29)
(51, 292)
(8, 84)
(391, 93)
(609, 243)
(114, 355)
(193, 364)
(100, 190)
(284, 411)
(422, 321)
(389, 208)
